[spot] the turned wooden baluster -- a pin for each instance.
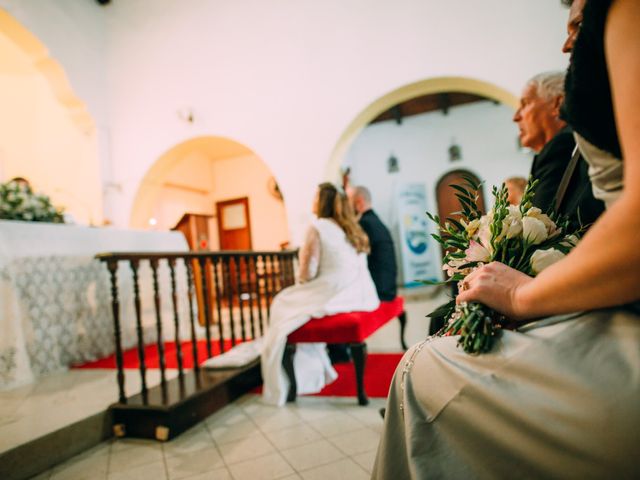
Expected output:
(160, 340)
(280, 274)
(135, 264)
(249, 273)
(192, 320)
(291, 275)
(206, 297)
(236, 261)
(216, 272)
(227, 281)
(112, 265)
(176, 320)
(268, 273)
(282, 270)
(256, 286)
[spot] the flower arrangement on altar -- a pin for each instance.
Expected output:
(19, 202)
(520, 236)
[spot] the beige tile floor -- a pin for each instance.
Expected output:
(317, 438)
(328, 437)
(59, 399)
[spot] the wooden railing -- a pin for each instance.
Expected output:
(237, 286)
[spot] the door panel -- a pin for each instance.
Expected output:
(234, 224)
(448, 203)
(234, 230)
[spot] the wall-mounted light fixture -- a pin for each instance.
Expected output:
(455, 152)
(186, 114)
(392, 164)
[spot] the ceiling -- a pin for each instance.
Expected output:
(428, 103)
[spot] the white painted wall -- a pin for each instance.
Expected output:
(283, 78)
(484, 131)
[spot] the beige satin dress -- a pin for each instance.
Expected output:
(558, 398)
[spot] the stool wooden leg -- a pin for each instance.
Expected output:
(403, 323)
(287, 363)
(359, 355)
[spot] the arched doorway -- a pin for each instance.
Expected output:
(419, 138)
(448, 203)
(36, 57)
(204, 176)
(48, 136)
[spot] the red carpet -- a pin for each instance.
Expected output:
(151, 356)
(377, 375)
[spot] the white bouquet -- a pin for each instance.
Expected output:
(520, 236)
(18, 202)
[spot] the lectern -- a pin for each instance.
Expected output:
(195, 228)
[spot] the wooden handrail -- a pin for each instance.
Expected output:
(234, 285)
(106, 256)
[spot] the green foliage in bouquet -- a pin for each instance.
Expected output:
(18, 202)
(520, 236)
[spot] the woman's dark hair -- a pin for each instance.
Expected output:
(335, 205)
(566, 3)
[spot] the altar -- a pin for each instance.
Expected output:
(55, 305)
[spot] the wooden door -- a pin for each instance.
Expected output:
(234, 225)
(234, 232)
(448, 203)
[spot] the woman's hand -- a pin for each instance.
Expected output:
(499, 287)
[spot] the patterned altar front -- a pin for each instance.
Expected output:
(55, 305)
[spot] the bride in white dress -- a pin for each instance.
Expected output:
(333, 278)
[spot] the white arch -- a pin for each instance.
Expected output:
(50, 69)
(407, 92)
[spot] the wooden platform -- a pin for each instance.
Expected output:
(182, 403)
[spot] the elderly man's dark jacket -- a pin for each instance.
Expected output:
(549, 166)
(382, 259)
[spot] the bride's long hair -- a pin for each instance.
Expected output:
(335, 205)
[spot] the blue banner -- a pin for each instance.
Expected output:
(416, 246)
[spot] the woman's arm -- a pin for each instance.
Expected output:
(309, 256)
(604, 269)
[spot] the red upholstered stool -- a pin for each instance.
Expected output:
(352, 328)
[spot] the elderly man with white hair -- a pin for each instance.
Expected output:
(563, 182)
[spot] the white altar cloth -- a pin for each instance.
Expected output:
(55, 298)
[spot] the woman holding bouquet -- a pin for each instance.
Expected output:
(558, 396)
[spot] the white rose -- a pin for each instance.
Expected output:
(533, 212)
(544, 218)
(542, 259)
(512, 224)
(512, 229)
(533, 230)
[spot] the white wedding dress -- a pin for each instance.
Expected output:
(334, 279)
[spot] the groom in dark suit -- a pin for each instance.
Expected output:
(563, 181)
(382, 259)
